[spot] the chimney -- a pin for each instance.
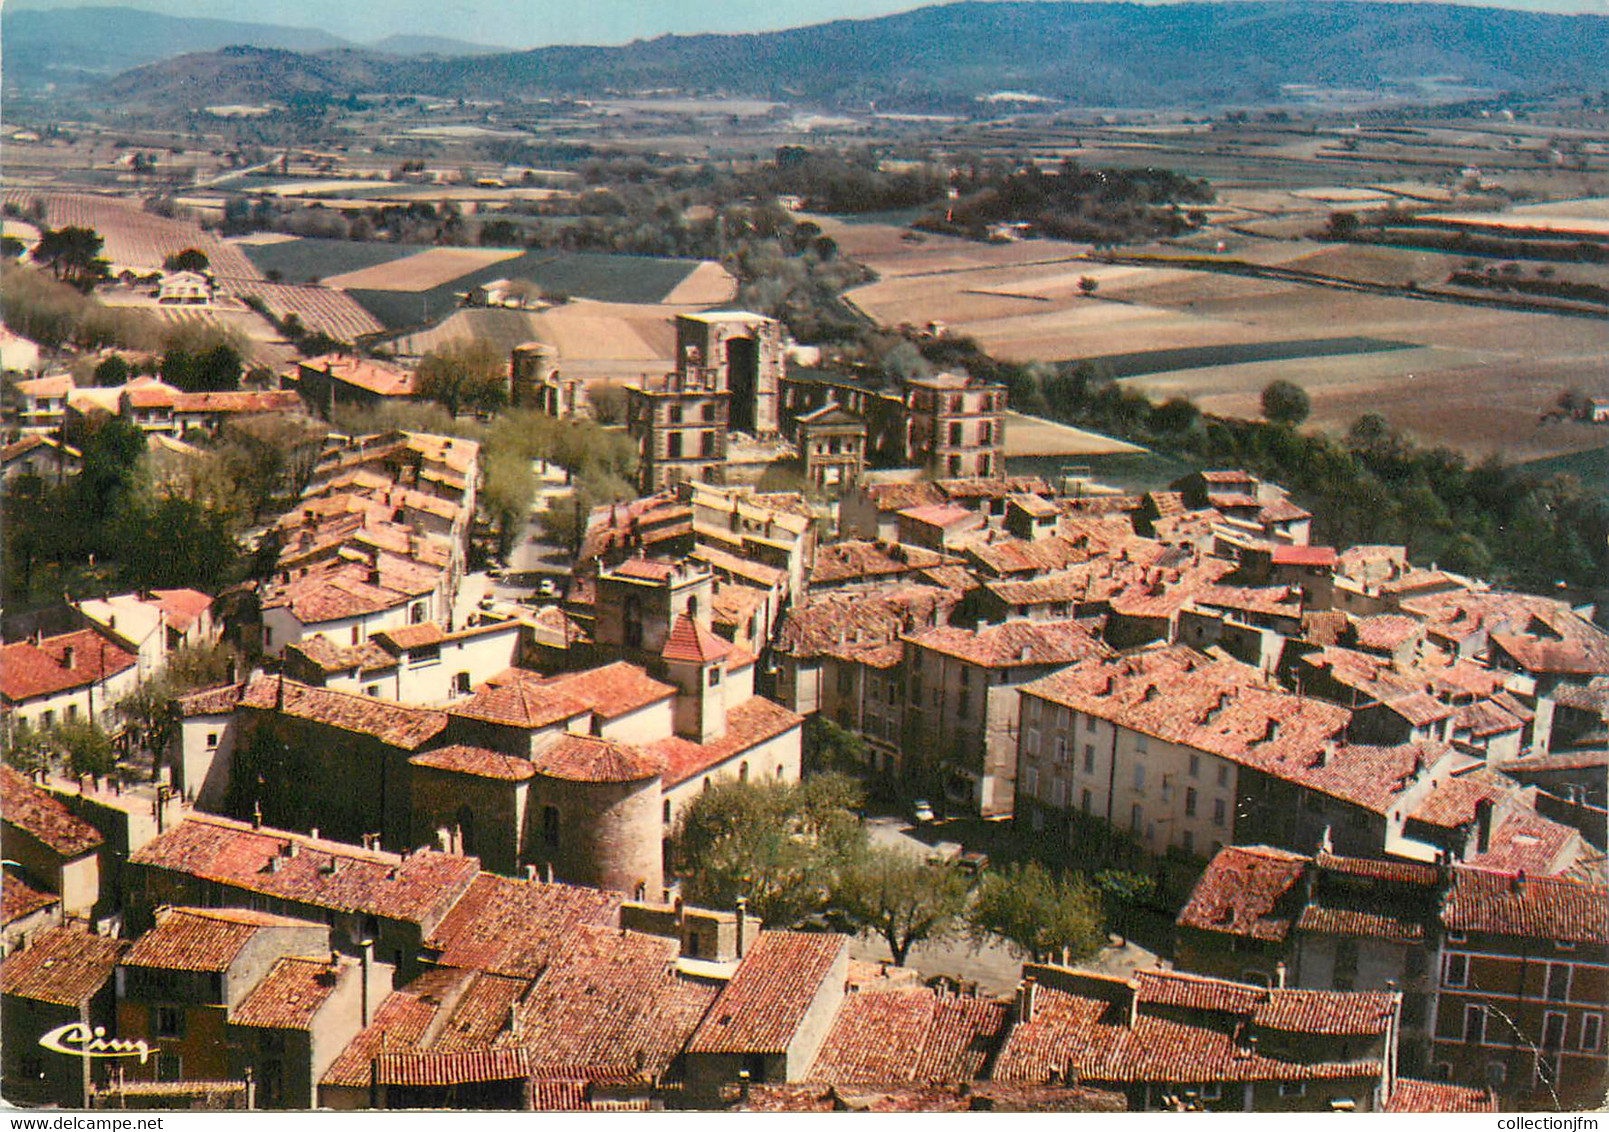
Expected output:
(514, 1029)
(742, 922)
(1279, 975)
(256, 815)
(1516, 883)
(366, 971)
(530, 874)
(1027, 999)
(743, 1086)
(550, 872)
(1483, 826)
(67, 656)
(313, 833)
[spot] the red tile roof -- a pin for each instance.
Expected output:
(1304, 556)
(418, 888)
(691, 643)
(644, 569)
(412, 636)
(365, 373)
(287, 998)
(64, 966)
(29, 671)
(749, 724)
(590, 758)
(518, 928)
(938, 515)
(849, 625)
(18, 898)
(41, 815)
(1438, 1096)
(909, 1035)
(396, 725)
(434, 1068)
(221, 700)
(1526, 906)
(855, 560)
(202, 939)
(401, 1021)
(1015, 643)
(477, 761)
(1525, 841)
(1245, 891)
(613, 690)
(767, 1001)
(521, 702)
(182, 606)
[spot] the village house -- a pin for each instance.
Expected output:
(71, 677)
(1502, 972)
(40, 457)
(63, 976)
(26, 909)
(43, 406)
(955, 425)
(58, 851)
(336, 379)
(154, 624)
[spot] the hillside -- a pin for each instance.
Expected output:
(948, 55)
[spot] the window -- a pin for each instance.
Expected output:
(1141, 743)
(673, 446)
(665, 817)
(1552, 1029)
(356, 630)
(1293, 1089)
(461, 683)
(1223, 775)
(212, 740)
(1455, 972)
(550, 823)
(1089, 758)
(1030, 781)
(416, 614)
(72, 712)
(1591, 1031)
(715, 676)
(1136, 819)
(1139, 778)
(1085, 801)
(169, 1022)
(1061, 748)
(743, 771)
(1189, 801)
(1218, 811)
(1474, 1025)
(1195, 766)
(1558, 984)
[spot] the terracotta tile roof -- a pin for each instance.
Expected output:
(239, 401)
(402, 1021)
(847, 625)
(477, 761)
(1325, 627)
(725, 562)
(53, 385)
(1271, 601)
(521, 702)
(1453, 801)
(690, 642)
(211, 701)
(590, 758)
(900, 496)
(1385, 630)
(1526, 906)
(18, 898)
(396, 725)
(1304, 556)
(1006, 556)
(325, 655)
(1393, 872)
(1245, 891)
(609, 998)
(202, 939)
(64, 966)
(1438, 1096)
(1541, 634)
(834, 1098)
(518, 928)
(938, 515)
(1558, 760)
(615, 689)
(418, 888)
(365, 373)
(434, 1068)
(330, 596)
(29, 671)
(405, 637)
(1014, 643)
(861, 560)
(749, 724)
(1525, 841)
(992, 487)
(644, 569)
(40, 814)
(182, 607)
(912, 1035)
(287, 998)
(1282, 510)
(765, 1003)
(1087, 1037)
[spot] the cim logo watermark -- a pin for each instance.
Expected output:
(78, 1039)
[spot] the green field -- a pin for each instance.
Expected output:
(1144, 362)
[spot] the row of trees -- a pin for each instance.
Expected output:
(794, 850)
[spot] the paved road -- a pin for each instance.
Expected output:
(995, 967)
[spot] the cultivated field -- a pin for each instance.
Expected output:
(133, 237)
(421, 272)
(1035, 436)
(592, 338)
(319, 308)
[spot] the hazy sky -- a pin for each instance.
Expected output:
(532, 23)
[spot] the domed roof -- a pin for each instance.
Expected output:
(589, 758)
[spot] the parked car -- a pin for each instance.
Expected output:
(547, 587)
(974, 862)
(922, 810)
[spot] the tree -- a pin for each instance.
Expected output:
(1088, 285)
(608, 401)
(1285, 402)
(87, 749)
(896, 895)
(1124, 893)
(779, 844)
(190, 259)
(464, 374)
(73, 255)
(112, 371)
(1039, 914)
(1343, 225)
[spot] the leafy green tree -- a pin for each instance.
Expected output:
(27, 749)
(73, 255)
(464, 374)
(1088, 285)
(780, 844)
(112, 371)
(190, 259)
(1042, 915)
(1285, 402)
(896, 895)
(608, 401)
(1124, 894)
(86, 748)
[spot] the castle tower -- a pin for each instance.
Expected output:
(743, 353)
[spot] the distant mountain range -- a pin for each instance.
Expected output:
(77, 45)
(1093, 54)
